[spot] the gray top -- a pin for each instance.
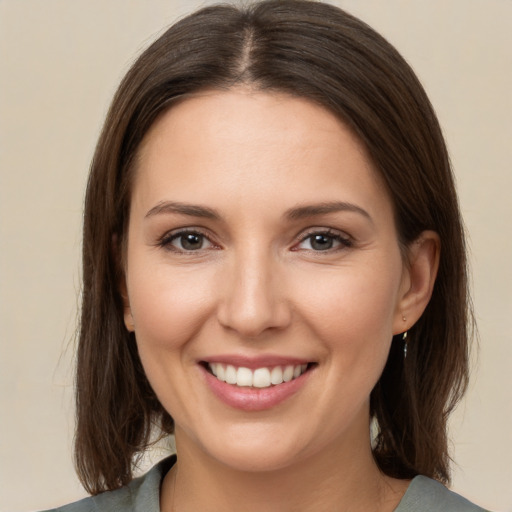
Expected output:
(143, 495)
(425, 494)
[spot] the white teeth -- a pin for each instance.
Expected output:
(258, 378)
(261, 378)
(243, 377)
(288, 373)
(221, 372)
(276, 375)
(230, 374)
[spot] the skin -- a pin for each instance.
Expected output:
(256, 284)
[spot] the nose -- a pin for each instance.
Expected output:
(253, 300)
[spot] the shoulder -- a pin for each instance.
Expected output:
(140, 495)
(427, 495)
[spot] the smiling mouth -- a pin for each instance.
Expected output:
(263, 377)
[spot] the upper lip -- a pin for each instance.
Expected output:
(253, 362)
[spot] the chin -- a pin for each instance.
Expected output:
(250, 449)
(252, 460)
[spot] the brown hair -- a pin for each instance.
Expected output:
(316, 51)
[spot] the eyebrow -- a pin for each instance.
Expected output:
(192, 210)
(311, 210)
(296, 213)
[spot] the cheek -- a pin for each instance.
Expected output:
(350, 312)
(351, 302)
(168, 304)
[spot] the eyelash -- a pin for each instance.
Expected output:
(345, 242)
(166, 240)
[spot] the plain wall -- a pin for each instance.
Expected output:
(60, 62)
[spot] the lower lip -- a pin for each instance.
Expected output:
(254, 399)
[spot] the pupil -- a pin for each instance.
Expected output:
(321, 242)
(191, 241)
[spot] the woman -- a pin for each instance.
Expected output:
(273, 262)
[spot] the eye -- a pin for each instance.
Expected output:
(186, 241)
(323, 241)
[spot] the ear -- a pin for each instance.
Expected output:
(117, 254)
(420, 272)
(128, 317)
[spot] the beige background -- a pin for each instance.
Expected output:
(60, 61)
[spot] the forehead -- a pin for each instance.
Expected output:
(241, 144)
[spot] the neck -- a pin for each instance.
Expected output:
(325, 482)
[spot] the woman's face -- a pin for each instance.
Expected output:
(261, 248)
